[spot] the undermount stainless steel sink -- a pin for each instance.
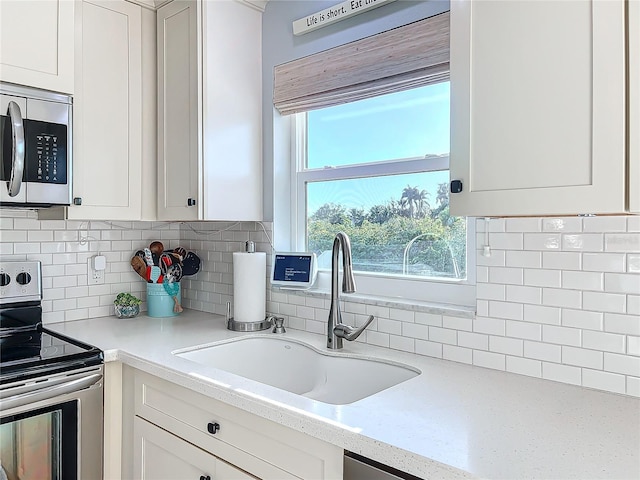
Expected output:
(300, 368)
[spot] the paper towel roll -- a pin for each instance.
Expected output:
(249, 286)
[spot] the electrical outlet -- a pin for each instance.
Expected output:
(95, 277)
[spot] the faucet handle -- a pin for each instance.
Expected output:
(351, 333)
(278, 324)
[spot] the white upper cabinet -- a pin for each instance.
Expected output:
(633, 58)
(209, 111)
(36, 43)
(538, 107)
(109, 181)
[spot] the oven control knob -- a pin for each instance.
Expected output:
(23, 278)
(4, 279)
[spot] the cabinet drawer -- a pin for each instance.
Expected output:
(258, 446)
(160, 455)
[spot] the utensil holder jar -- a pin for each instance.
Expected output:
(159, 302)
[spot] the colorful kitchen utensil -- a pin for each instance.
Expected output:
(191, 264)
(172, 289)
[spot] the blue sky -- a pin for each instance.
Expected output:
(405, 124)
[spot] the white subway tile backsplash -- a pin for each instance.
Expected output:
(475, 341)
(523, 258)
(509, 346)
(542, 241)
(424, 318)
(490, 291)
(496, 361)
(525, 330)
(430, 349)
(604, 302)
(542, 314)
(558, 298)
(524, 294)
(543, 351)
(561, 260)
(622, 242)
(562, 224)
(506, 310)
(618, 323)
(506, 275)
(603, 381)
(488, 325)
(583, 280)
(633, 386)
(603, 262)
(582, 319)
(524, 366)
(414, 330)
(582, 357)
(604, 224)
(606, 342)
(457, 354)
(622, 283)
(633, 223)
(561, 335)
(542, 278)
(624, 364)
(583, 242)
(561, 373)
(443, 335)
(523, 225)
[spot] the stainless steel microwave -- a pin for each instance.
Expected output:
(35, 147)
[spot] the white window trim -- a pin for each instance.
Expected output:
(460, 292)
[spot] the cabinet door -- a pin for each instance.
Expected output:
(179, 110)
(36, 43)
(107, 111)
(159, 455)
(538, 107)
(232, 112)
(634, 105)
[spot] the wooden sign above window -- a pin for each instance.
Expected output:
(335, 14)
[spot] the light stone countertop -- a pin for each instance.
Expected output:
(452, 421)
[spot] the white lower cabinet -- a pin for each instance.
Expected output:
(178, 433)
(159, 455)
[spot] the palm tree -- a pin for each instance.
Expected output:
(415, 201)
(443, 194)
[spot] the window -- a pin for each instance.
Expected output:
(371, 158)
(378, 169)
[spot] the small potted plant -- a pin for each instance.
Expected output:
(127, 305)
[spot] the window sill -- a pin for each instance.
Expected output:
(391, 302)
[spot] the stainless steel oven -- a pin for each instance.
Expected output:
(51, 389)
(35, 147)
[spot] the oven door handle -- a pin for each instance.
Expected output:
(17, 161)
(23, 399)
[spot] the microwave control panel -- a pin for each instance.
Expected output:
(46, 152)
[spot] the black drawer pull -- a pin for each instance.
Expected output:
(202, 477)
(213, 428)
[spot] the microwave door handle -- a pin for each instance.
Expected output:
(17, 166)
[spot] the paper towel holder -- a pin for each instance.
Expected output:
(246, 326)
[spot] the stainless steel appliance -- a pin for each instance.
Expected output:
(357, 467)
(35, 147)
(51, 389)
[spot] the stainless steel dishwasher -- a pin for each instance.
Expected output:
(357, 467)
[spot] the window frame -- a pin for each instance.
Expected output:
(442, 290)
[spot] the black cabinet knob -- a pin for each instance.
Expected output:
(456, 186)
(191, 202)
(213, 428)
(202, 477)
(77, 200)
